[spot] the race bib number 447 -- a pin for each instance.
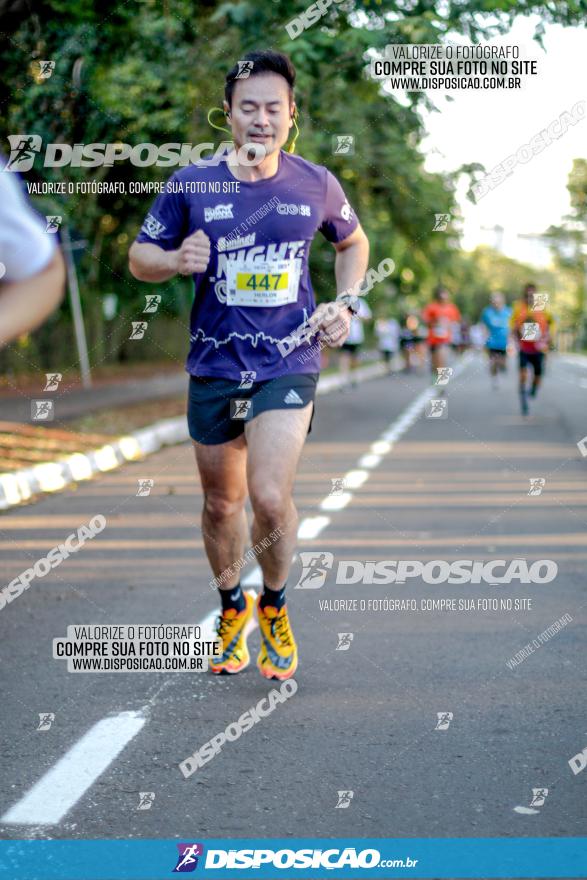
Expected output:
(262, 283)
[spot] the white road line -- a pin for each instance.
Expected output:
(311, 526)
(57, 792)
(47, 802)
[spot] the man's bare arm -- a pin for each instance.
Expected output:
(25, 304)
(149, 262)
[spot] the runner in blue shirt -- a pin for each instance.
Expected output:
(243, 231)
(496, 318)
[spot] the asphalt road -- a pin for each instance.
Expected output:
(363, 719)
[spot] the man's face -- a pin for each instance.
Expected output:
(443, 296)
(261, 111)
(529, 295)
(497, 300)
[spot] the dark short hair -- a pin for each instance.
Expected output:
(529, 286)
(263, 62)
(439, 289)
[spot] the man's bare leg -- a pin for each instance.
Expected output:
(222, 470)
(275, 440)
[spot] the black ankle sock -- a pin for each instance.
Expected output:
(275, 598)
(233, 598)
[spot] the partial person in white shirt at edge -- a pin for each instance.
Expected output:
(32, 272)
(349, 353)
(388, 333)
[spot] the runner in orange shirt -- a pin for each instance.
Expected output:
(439, 315)
(532, 325)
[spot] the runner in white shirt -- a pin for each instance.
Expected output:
(349, 354)
(388, 333)
(31, 268)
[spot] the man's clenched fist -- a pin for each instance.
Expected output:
(194, 254)
(333, 319)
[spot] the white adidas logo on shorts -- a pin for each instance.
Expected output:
(292, 397)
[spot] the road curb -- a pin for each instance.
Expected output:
(52, 476)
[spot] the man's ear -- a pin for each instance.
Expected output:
(293, 112)
(226, 108)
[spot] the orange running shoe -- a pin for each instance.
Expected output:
(232, 629)
(278, 657)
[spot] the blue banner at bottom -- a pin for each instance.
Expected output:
(283, 859)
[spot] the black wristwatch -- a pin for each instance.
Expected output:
(351, 301)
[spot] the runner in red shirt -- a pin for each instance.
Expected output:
(438, 316)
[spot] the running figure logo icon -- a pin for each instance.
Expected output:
(42, 410)
(152, 302)
(444, 719)
(46, 719)
(53, 222)
(188, 857)
(441, 222)
(537, 484)
(247, 379)
(344, 800)
(343, 145)
(241, 409)
(444, 374)
(539, 795)
(146, 799)
(138, 329)
(53, 380)
(145, 487)
(530, 332)
(437, 408)
(23, 149)
(338, 485)
(244, 69)
(315, 567)
(344, 641)
(539, 302)
(45, 69)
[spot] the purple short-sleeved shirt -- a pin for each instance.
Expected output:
(270, 223)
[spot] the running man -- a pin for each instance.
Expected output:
(532, 326)
(496, 318)
(248, 252)
(351, 348)
(439, 315)
(387, 331)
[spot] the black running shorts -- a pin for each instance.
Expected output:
(218, 409)
(535, 359)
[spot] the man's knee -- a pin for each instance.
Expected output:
(271, 504)
(219, 507)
